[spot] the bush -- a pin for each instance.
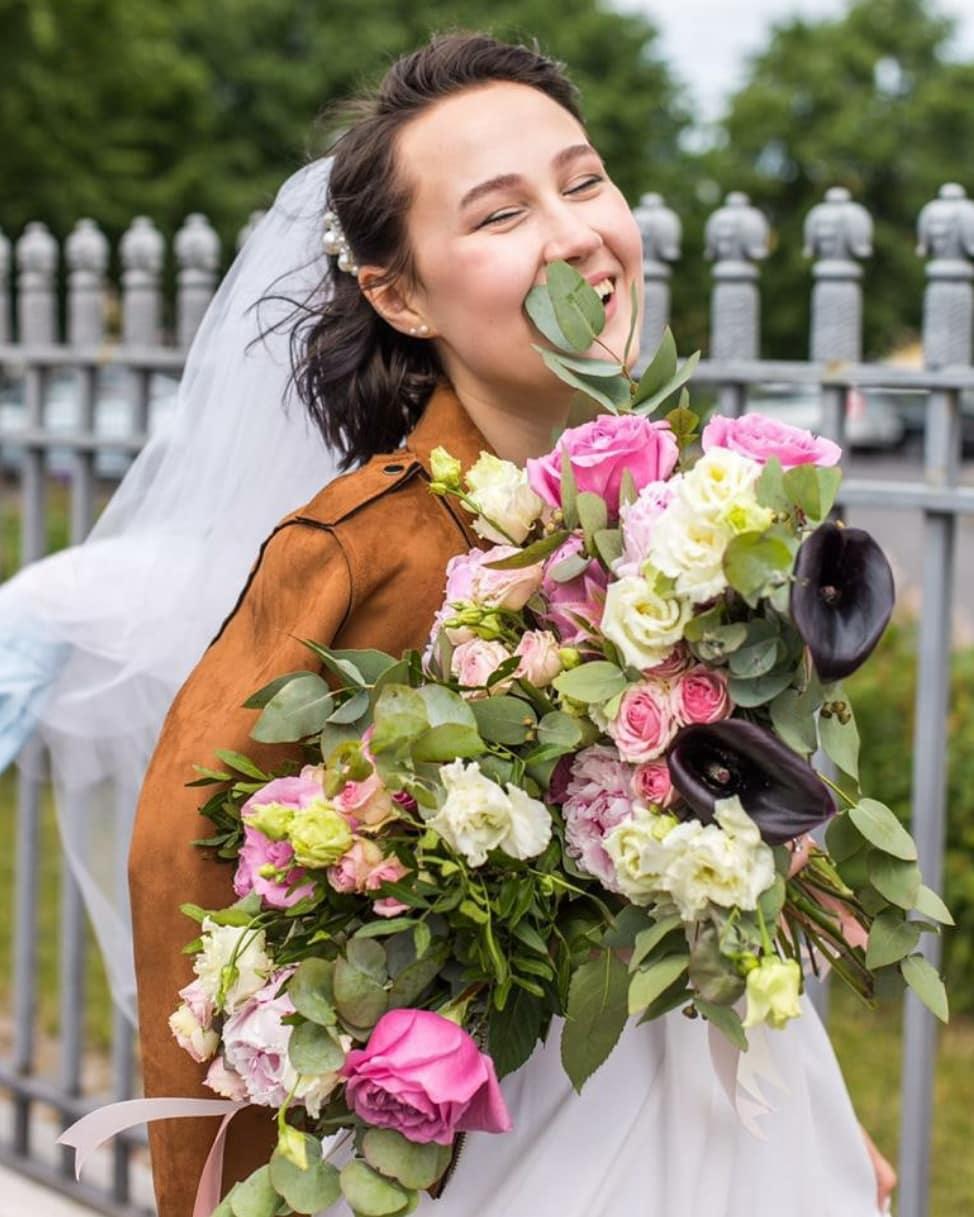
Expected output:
(883, 695)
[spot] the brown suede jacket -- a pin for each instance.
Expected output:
(362, 565)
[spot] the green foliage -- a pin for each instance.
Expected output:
(883, 695)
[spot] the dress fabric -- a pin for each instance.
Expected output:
(654, 1135)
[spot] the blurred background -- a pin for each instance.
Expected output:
(117, 109)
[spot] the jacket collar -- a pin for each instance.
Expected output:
(445, 423)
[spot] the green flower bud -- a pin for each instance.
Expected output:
(445, 468)
(319, 836)
(291, 1145)
(570, 657)
(272, 819)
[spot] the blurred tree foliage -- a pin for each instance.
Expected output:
(866, 101)
(112, 108)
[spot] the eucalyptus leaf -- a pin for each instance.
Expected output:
(313, 1050)
(812, 488)
(577, 306)
(881, 828)
(242, 764)
(311, 989)
(352, 708)
(840, 742)
(843, 838)
(533, 553)
(793, 718)
(560, 730)
(370, 664)
(258, 700)
(757, 692)
(592, 682)
(608, 543)
(359, 999)
(414, 1165)
(368, 1193)
(570, 568)
(255, 1196)
(925, 981)
(416, 977)
(539, 308)
(650, 404)
(930, 905)
(660, 370)
(754, 562)
(613, 395)
(306, 1191)
(592, 515)
(770, 488)
(891, 938)
(504, 719)
(443, 706)
(368, 957)
(446, 742)
(895, 879)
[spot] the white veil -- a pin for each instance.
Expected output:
(99, 637)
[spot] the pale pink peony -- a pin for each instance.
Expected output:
(598, 796)
(538, 652)
(638, 520)
(600, 452)
(645, 723)
(574, 608)
(258, 852)
(760, 439)
(474, 662)
(652, 783)
(423, 1076)
(700, 696)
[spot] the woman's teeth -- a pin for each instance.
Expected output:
(605, 289)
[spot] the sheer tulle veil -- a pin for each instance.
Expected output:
(103, 634)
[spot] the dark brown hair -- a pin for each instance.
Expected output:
(363, 382)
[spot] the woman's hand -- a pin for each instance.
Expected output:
(885, 1174)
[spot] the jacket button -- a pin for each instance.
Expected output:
(393, 468)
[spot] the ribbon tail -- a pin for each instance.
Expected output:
(208, 1189)
(93, 1130)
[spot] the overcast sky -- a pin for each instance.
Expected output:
(707, 41)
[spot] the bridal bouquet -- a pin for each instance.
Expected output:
(589, 798)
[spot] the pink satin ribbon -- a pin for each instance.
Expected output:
(93, 1130)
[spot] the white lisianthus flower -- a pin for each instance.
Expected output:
(501, 493)
(252, 966)
(477, 816)
(199, 1041)
(773, 990)
(725, 863)
(689, 548)
(635, 848)
(718, 481)
(644, 623)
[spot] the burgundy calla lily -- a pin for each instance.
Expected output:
(781, 793)
(842, 598)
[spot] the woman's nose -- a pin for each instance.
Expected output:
(571, 239)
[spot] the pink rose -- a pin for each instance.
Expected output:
(225, 1081)
(700, 696)
(675, 664)
(538, 652)
(389, 870)
(600, 452)
(365, 802)
(352, 870)
(278, 891)
(598, 796)
(574, 608)
(760, 439)
(638, 519)
(423, 1076)
(474, 662)
(506, 589)
(645, 723)
(652, 783)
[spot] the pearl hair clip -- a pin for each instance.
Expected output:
(335, 242)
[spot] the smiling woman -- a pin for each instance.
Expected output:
(453, 190)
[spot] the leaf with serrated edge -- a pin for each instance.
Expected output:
(646, 986)
(596, 1015)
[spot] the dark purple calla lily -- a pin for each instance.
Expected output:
(841, 599)
(781, 793)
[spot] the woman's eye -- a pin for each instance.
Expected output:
(589, 182)
(498, 217)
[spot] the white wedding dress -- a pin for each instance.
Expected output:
(653, 1134)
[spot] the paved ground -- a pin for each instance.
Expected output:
(20, 1196)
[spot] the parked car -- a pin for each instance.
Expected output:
(871, 419)
(911, 405)
(114, 417)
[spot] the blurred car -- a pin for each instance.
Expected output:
(911, 405)
(872, 422)
(114, 417)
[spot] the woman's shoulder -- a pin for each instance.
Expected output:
(385, 477)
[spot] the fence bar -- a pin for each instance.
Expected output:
(28, 858)
(71, 977)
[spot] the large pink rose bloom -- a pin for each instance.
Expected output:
(598, 796)
(580, 598)
(600, 452)
(645, 724)
(259, 851)
(760, 439)
(423, 1076)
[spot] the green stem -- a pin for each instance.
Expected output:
(836, 789)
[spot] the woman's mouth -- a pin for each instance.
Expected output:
(606, 289)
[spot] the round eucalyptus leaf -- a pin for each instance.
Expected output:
(255, 1197)
(313, 1050)
(306, 1191)
(368, 1193)
(411, 1164)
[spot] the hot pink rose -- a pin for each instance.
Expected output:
(423, 1076)
(474, 662)
(600, 452)
(538, 652)
(700, 696)
(645, 723)
(574, 608)
(760, 439)
(258, 852)
(652, 783)
(598, 796)
(638, 519)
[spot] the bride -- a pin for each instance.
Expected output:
(453, 187)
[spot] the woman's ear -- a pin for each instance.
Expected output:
(393, 304)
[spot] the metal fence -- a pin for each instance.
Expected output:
(838, 240)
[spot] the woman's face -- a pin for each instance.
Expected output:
(504, 182)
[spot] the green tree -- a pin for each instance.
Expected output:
(112, 108)
(866, 101)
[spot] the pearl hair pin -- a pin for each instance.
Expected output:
(334, 242)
